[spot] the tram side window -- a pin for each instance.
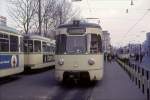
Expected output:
(48, 48)
(25, 44)
(4, 43)
(37, 46)
(44, 47)
(96, 44)
(30, 45)
(21, 44)
(53, 49)
(61, 43)
(14, 47)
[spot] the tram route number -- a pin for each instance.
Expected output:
(48, 58)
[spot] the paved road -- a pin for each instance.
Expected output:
(42, 86)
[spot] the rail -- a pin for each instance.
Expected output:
(139, 75)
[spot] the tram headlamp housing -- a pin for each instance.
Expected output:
(61, 61)
(91, 61)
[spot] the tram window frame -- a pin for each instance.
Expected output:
(46, 47)
(25, 45)
(14, 43)
(52, 49)
(5, 47)
(37, 46)
(21, 44)
(98, 47)
(61, 46)
(80, 48)
(30, 48)
(49, 48)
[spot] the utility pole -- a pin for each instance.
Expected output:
(140, 53)
(39, 15)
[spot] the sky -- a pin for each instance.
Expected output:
(123, 27)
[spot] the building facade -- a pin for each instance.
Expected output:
(146, 44)
(106, 45)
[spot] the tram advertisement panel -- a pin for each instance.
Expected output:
(9, 61)
(48, 58)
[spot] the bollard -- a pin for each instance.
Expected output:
(147, 75)
(148, 94)
(136, 81)
(148, 85)
(139, 84)
(139, 75)
(133, 73)
(143, 89)
(142, 79)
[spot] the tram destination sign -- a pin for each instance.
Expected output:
(76, 31)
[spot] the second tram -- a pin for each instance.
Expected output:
(39, 52)
(79, 53)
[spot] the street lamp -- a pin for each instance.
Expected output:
(132, 3)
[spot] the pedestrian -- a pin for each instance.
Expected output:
(109, 58)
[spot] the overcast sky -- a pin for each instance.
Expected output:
(113, 16)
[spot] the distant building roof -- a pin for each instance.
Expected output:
(8, 29)
(106, 33)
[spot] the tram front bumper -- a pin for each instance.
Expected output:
(95, 74)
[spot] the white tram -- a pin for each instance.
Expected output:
(38, 52)
(79, 53)
(11, 51)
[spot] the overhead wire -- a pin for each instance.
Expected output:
(134, 25)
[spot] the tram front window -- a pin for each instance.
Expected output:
(70, 44)
(76, 44)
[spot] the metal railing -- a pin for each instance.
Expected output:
(139, 75)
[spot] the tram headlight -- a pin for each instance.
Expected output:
(61, 61)
(91, 61)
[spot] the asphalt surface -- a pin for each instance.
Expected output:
(42, 85)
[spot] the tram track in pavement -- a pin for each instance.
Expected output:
(73, 92)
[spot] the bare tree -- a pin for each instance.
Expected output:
(51, 12)
(64, 12)
(23, 11)
(54, 13)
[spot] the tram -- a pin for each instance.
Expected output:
(38, 52)
(123, 54)
(11, 51)
(79, 53)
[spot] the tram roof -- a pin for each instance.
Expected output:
(82, 25)
(8, 29)
(37, 37)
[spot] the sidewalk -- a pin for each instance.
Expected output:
(116, 85)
